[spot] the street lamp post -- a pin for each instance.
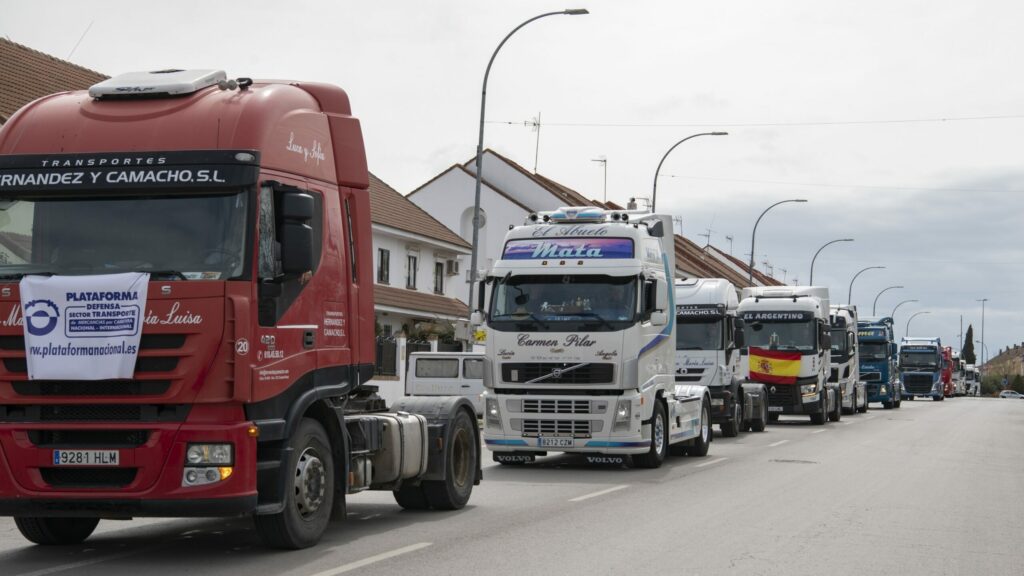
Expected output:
(893, 315)
(604, 163)
(915, 315)
(819, 252)
(654, 190)
(480, 146)
(981, 373)
(849, 294)
(875, 304)
(753, 235)
(983, 300)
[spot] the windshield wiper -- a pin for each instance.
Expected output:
(20, 275)
(173, 274)
(595, 315)
(531, 315)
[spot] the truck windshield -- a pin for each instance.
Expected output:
(564, 302)
(839, 344)
(693, 335)
(874, 351)
(801, 336)
(928, 360)
(193, 237)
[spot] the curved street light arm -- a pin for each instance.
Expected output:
(811, 282)
(654, 189)
(873, 305)
(753, 235)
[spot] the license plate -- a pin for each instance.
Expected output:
(554, 442)
(86, 457)
(716, 401)
(775, 408)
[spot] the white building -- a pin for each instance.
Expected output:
(418, 274)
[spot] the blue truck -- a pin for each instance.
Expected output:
(921, 363)
(878, 361)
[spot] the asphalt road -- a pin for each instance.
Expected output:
(931, 488)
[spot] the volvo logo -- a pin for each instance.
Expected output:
(556, 373)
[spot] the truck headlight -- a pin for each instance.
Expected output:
(884, 389)
(808, 389)
(209, 455)
(623, 411)
(492, 414)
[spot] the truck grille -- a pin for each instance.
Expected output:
(88, 477)
(91, 387)
(691, 375)
(18, 365)
(88, 438)
(918, 383)
(783, 395)
(833, 376)
(873, 387)
(534, 406)
(580, 428)
(94, 413)
(513, 372)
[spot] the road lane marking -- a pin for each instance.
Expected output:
(599, 493)
(712, 462)
(779, 443)
(819, 431)
(373, 559)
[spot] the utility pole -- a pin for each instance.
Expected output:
(729, 239)
(604, 162)
(535, 124)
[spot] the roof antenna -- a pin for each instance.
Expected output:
(87, 28)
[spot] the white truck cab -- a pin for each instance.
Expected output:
(709, 340)
(581, 332)
(846, 359)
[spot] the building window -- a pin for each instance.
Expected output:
(383, 266)
(412, 264)
(439, 278)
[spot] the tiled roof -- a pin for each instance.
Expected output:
(427, 304)
(29, 74)
(567, 195)
(389, 208)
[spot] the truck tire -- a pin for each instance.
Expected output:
(659, 440)
(773, 417)
(703, 441)
(938, 398)
(837, 413)
(899, 399)
(761, 422)
(819, 418)
(56, 531)
(853, 405)
(308, 492)
(411, 497)
(732, 429)
(462, 452)
(863, 409)
(887, 404)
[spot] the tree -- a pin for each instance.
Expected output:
(968, 352)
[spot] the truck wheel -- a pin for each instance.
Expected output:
(836, 414)
(773, 417)
(411, 497)
(732, 429)
(853, 405)
(819, 418)
(462, 453)
(56, 531)
(887, 404)
(938, 398)
(761, 422)
(864, 408)
(702, 442)
(659, 440)
(896, 403)
(308, 492)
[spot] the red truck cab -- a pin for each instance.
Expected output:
(247, 204)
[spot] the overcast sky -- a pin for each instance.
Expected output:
(899, 121)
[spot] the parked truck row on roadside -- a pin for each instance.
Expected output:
(190, 333)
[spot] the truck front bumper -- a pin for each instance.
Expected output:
(525, 424)
(148, 480)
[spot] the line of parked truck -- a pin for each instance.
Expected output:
(582, 314)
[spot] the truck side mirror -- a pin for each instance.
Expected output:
(481, 292)
(477, 318)
(296, 233)
(659, 318)
(738, 338)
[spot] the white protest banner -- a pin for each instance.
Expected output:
(83, 327)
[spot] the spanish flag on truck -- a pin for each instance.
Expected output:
(773, 366)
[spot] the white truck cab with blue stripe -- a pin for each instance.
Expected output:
(581, 342)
